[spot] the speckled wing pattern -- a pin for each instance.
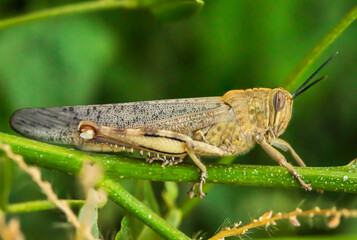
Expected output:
(60, 124)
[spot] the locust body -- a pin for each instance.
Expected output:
(169, 130)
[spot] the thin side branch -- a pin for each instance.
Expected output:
(268, 219)
(41, 205)
(319, 48)
(66, 10)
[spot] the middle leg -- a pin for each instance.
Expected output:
(195, 148)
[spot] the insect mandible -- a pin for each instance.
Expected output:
(169, 130)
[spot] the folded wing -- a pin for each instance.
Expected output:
(59, 124)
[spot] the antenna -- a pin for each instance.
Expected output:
(303, 87)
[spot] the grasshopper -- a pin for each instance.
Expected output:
(169, 130)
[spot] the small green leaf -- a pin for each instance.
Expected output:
(5, 180)
(174, 217)
(132, 226)
(125, 232)
(172, 190)
(148, 234)
(170, 194)
(146, 194)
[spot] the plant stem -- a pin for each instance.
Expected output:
(41, 205)
(319, 48)
(68, 9)
(123, 198)
(341, 179)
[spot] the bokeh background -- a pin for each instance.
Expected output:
(120, 56)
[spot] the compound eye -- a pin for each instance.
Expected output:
(279, 101)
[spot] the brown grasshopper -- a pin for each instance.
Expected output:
(169, 130)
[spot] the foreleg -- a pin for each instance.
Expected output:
(277, 156)
(283, 145)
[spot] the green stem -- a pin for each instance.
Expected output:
(319, 48)
(339, 179)
(68, 9)
(123, 198)
(41, 205)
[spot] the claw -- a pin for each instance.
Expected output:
(203, 181)
(164, 163)
(201, 194)
(149, 160)
(191, 193)
(305, 186)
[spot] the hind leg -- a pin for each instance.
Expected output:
(152, 140)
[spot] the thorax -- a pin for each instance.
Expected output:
(251, 110)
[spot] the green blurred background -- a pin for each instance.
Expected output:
(120, 56)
